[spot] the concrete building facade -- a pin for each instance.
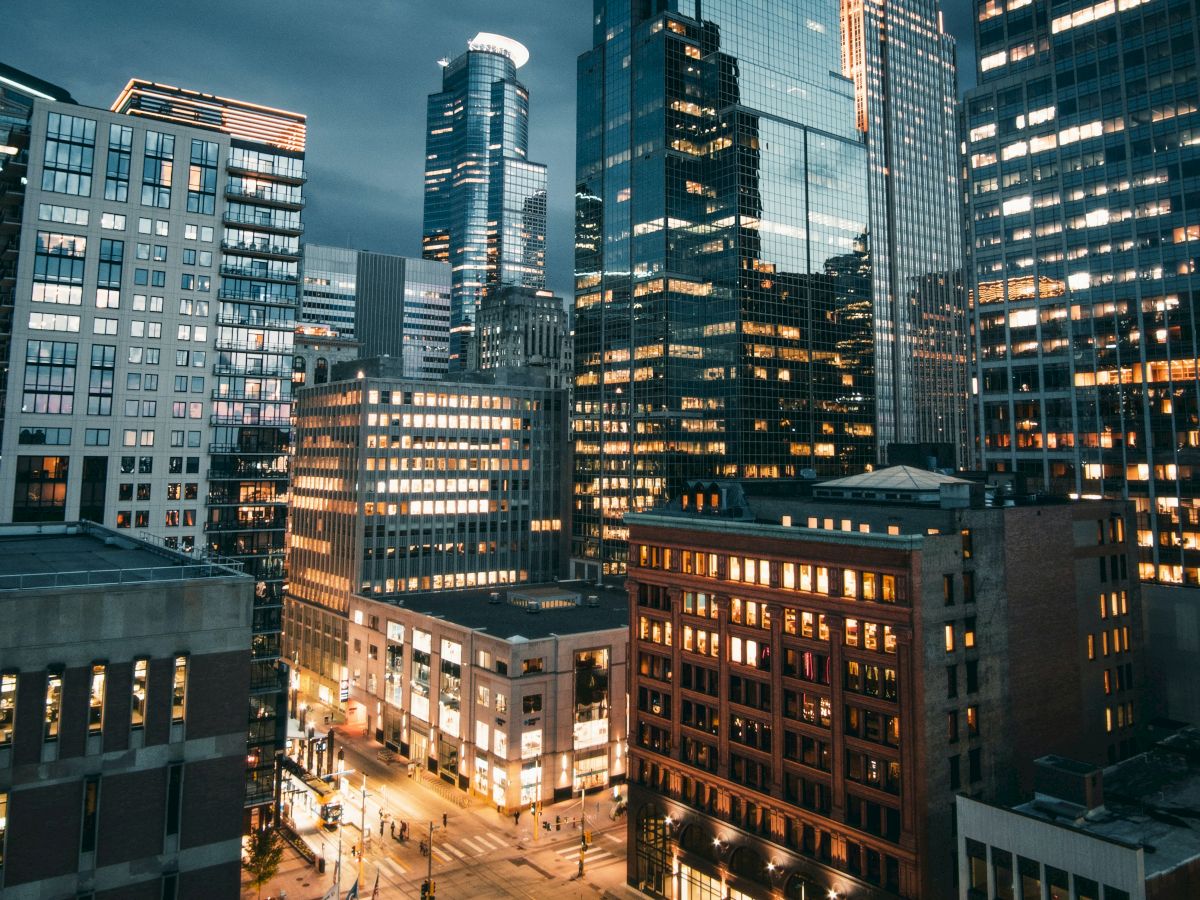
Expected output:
(521, 327)
(124, 678)
(815, 676)
(515, 695)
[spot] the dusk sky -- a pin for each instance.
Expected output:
(359, 70)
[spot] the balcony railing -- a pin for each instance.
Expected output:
(251, 322)
(260, 274)
(261, 249)
(247, 297)
(268, 169)
(264, 195)
(261, 222)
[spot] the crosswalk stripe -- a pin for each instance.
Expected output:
(573, 853)
(454, 850)
(495, 840)
(445, 857)
(474, 846)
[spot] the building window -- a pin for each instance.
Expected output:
(955, 773)
(3, 824)
(120, 151)
(96, 700)
(531, 666)
(202, 178)
(179, 689)
(41, 489)
(53, 704)
(91, 814)
(8, 712)
(100, 379)
(49, 386)
(157, 166)
(69, 155)
(137, 710)
(174, 797)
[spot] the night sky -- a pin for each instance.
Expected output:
(359, 69)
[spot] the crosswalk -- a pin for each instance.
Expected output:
(594, 854)
(463, 847)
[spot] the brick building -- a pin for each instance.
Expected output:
(818, 669)
(124, 679)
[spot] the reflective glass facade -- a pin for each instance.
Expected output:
(723, 272)
(903, 66)
(1081, 177)
(485, 203)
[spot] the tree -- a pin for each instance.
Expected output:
(264, 857)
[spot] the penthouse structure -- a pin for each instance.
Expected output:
(817, 671)
(124, 678)
(406, 485)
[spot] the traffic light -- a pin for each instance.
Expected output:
(427, 889)
(587, 839)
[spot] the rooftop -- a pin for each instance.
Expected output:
(1151, 801)
(895, 478)
(505, 611)
(61, 555)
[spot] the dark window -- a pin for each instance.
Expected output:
(955, 773)
(174, 795)
(41, 489)
(120, 149)
(92, 488)
(91, 814)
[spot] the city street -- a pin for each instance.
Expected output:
(478, 853)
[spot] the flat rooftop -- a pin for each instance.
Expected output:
(1151, 800)
(80, 554)
(511, 619)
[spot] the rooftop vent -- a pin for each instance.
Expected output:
(494, 597)
(593, 600)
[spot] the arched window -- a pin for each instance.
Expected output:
(299, 366)
(321, 371)
(746, 863)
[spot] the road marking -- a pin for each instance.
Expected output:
(474, 846)
(592, 855)
(454, 850)
(615, 839)
(445, 857)
(498, 842)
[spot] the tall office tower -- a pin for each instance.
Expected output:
(252, 349)
(116, 322)
(403, 309)
(485, 203)
(1081, 154)
(905, 85)
(18, 90)
(391, 305)
(723, 269)
(405, 485)
(519, 327)
(327, 291)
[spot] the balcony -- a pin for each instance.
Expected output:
(260, 249)
(268, 195)
(271, 371)
(270, 224)
(255, 322)
(265, 168)
(10, 218)
(285, 422)
(259, 274)
(247, 297)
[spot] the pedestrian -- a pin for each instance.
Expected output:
(517, 817)
(393, 831)
(444, 820)
(381, 827)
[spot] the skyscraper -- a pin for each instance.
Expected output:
(904, 72)
(724, 323)
(1082, 152)
(393, 305)
(485, 203)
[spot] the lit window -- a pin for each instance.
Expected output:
(137, 711)
(179, 689)
(96, 701)
(53, 705)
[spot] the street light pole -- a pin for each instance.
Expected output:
(582, 826)
(362, 828)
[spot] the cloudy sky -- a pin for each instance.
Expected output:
(359, 69)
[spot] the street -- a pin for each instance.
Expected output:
(478, 853)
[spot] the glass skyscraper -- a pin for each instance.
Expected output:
(485, 202)
(904, 71)
(724, 323)
(1083, 150)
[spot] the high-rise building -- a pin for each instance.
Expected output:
(405, 485)
(18, 90)
(403, 309)
(724, 323)
(1080, 158)
(816, 670)
(155, 316)
(519, 327)
(485, 202)
(328, 288)
(905, 84)
(125, 676)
